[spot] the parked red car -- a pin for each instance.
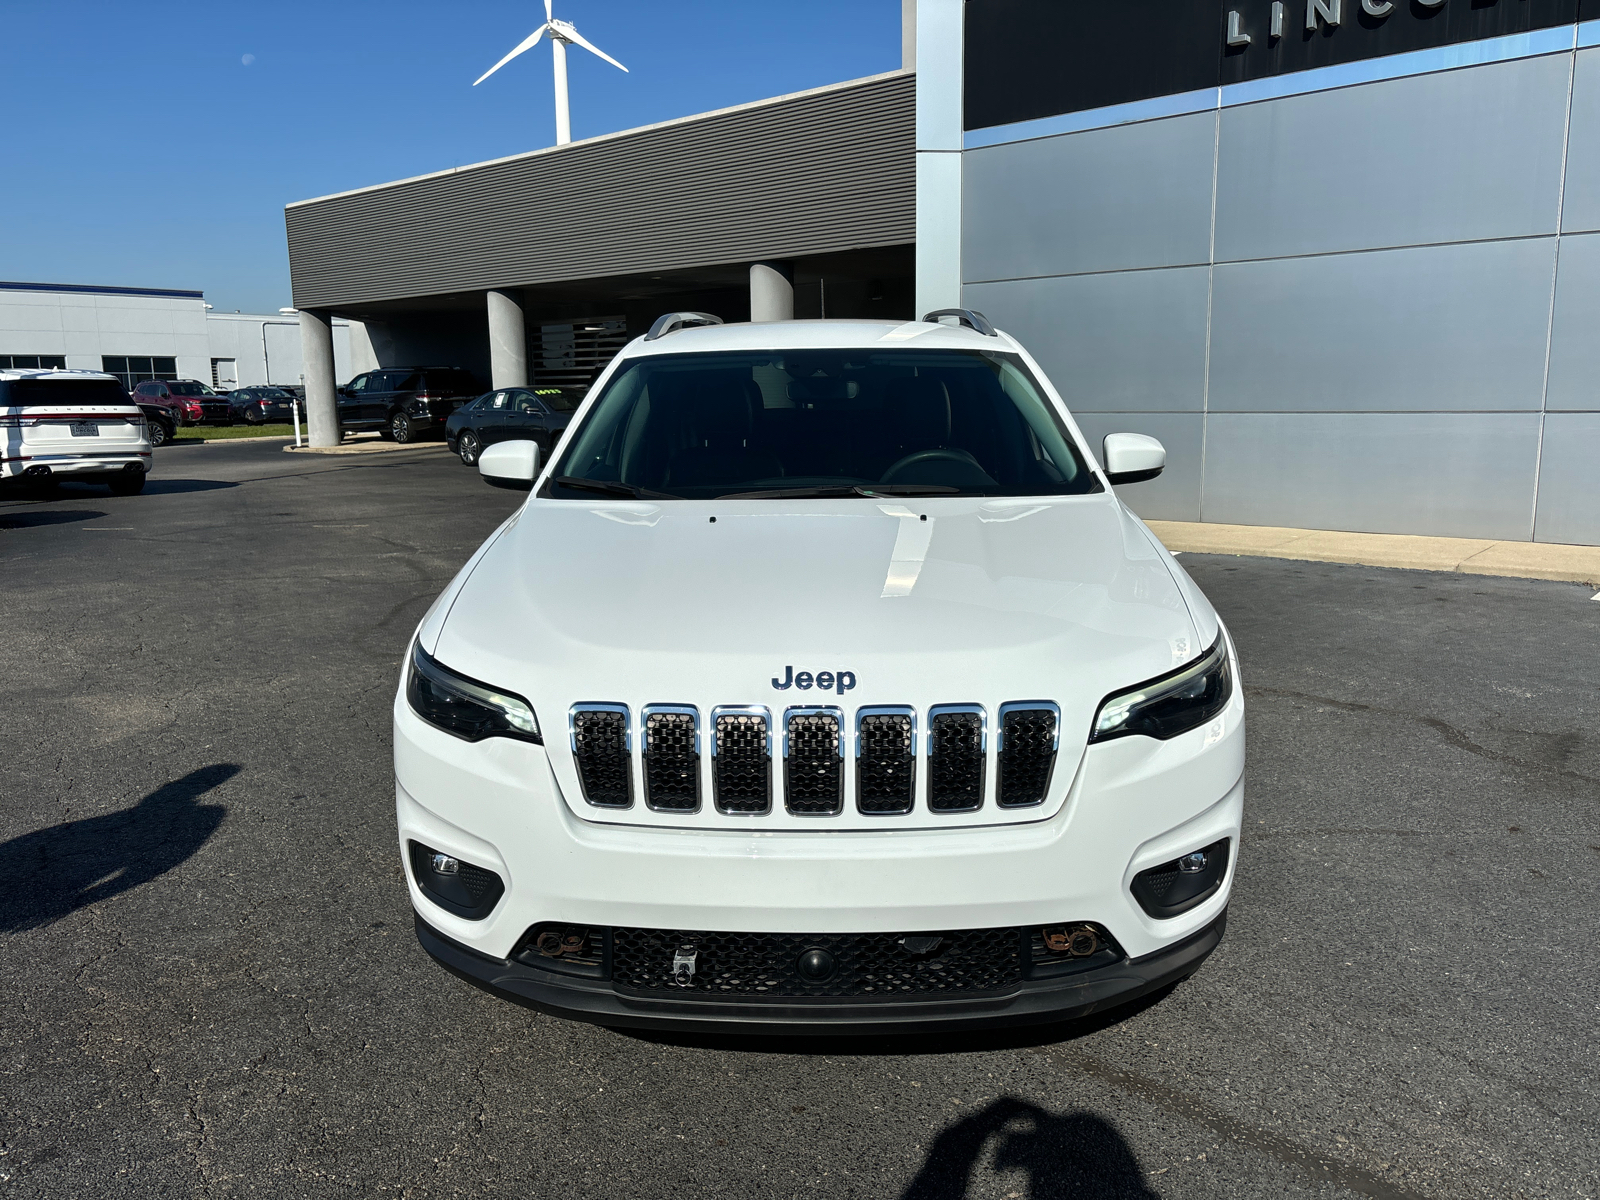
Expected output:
(191, 401)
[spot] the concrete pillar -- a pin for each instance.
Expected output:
(772, 291)
(908, 35)
(508, 341)
(322, 401)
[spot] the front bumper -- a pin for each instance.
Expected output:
(1032, 1002)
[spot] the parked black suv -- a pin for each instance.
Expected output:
(404, 403)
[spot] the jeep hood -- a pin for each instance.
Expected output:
(922, 601)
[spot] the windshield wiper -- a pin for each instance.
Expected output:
(611, 487)
(824, 493)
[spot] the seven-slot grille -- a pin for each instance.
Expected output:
(671, 735)
(958, 754)
(741, 760)
(813, 761)
(886, 760)
(602, 749)
(1028, 735)
(813, 747)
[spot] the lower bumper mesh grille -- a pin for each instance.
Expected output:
(864, 966)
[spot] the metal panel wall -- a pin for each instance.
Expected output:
(1365, 345)
(1446, 474)
(1431, 328)
(1446, 157)
(810, 174)
(1580, 207)
(1105, 200)
(1569, 483)
(1127, 341)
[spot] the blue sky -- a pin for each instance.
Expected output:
(142, 149)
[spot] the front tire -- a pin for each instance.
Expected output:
(130, 486)
(467, 446)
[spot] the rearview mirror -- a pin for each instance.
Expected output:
(1133, 457)
(512, 465)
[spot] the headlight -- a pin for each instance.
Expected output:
(464, 707)
(1169, 704)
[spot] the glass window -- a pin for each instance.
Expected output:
(189, 389)
(358, 384)
(561, 400)
(33, 362)
(700, 426)
(65, 391)
(499, 400)
(135, 370)
(451, 382)
(527, 403)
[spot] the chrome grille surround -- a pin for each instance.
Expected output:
(741, 759)
(958, 757)
(669, 741)
(1025, 752)
(813, 760)
(601, 734)
(886, 760)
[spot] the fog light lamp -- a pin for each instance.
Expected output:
(443, 864)
(1190, 863)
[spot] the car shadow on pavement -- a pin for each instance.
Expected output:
(53, 872)
(29, 518)
(1071, 1157)
(171, 487)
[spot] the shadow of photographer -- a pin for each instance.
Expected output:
(1078, 1156)
(53, 872)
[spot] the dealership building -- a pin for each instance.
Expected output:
(138, 333)
(1341, 256)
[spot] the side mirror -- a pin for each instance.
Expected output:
(512, 465)
(1133, 457)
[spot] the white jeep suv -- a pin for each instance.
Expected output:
(821, 684)
(80, 425)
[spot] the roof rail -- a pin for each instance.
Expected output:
(970, 317)
(669, 322)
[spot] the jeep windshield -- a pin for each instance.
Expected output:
(821, 423)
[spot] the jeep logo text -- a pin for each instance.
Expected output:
(836, 681)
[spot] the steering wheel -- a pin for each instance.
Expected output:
(967, 469)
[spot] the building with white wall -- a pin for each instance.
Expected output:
(152, 333)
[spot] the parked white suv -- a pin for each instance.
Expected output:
(822, 683)
(78, 425)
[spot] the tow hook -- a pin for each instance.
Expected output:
(683, 966)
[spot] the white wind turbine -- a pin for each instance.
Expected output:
(561, 32)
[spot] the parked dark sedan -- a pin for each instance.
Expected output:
(512, 414)
(259, 404)
(404, 404)
(160, 422)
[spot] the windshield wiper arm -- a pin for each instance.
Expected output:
(825, 493)
(612, 487)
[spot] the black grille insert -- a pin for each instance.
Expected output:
(851, 966)
(886, 760)
(813, 766)
(671, 758)
(956, 759)
(1027, 753)
(600, 748)
(741, 760)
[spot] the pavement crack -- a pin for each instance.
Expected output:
(1450, 733)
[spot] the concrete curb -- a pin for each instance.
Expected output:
(374, 447)
(272, 437)
(1467, 556)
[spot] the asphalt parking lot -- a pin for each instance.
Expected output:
(212, 986)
